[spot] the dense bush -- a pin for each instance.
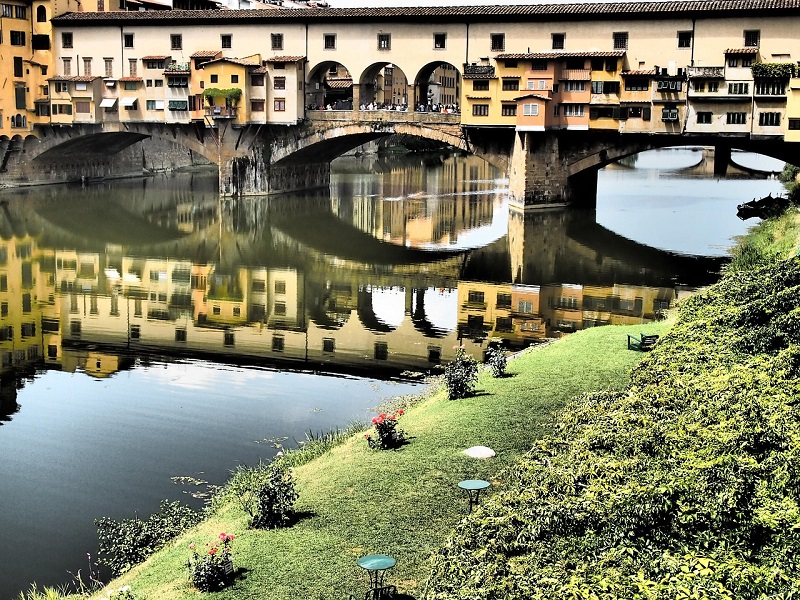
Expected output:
(497, 361)
(460, 375)
(683, 486)
(124, 544)
(266, 493)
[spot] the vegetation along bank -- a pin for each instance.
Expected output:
(675, 480)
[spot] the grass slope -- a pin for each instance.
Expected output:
(355, 501)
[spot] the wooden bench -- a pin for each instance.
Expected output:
(643, 343)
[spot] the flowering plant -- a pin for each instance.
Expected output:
(123, 593)
(210, 571)
(387, 435)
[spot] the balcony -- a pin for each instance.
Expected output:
(177, 68)
(221, 112)
(706, 72)
(576, 75)
(478, 71)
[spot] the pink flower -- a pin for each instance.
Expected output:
(379, 419)
(191, 546)
(392, 417)
(374, 419)
(223, 536)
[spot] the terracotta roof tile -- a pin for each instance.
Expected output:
(638, 73)
(84, 78)
(339, 84)
(286, 59)
(578, 54)
(259, 70)
(538, 96)
(130, 79)
(206, 54)
(235, 61)
(155, 57)
(538, 12)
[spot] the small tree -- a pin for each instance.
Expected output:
(497, 361)
(460, 375)
(266, 493)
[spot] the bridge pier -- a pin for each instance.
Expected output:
(722, 158)
(254, 176)
(540, 171)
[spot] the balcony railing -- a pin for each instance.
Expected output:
(478, 71)
(576, 75)
(221, 112)
(706, 72)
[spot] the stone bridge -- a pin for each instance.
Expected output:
(544, 168)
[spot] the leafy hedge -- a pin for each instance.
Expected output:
(686, 485)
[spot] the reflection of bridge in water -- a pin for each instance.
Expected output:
(166, 278)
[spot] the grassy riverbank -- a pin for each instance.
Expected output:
(357, 501)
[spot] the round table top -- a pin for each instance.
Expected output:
(473, 484)
(376, 562)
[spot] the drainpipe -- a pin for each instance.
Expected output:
(694, 40)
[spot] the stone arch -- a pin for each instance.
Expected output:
(373, 82)
(605, 153)
(325, 144)
(437, 83)
(94, 142)
(329, 83)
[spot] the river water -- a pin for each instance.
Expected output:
(150, 331)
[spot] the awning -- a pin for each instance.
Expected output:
(127, 101)
(108, 102)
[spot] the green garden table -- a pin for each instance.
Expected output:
(376, 566)
(473, 488)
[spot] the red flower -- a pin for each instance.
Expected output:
(212, 551)
(400, 411)
(374, 419)
(392, 417)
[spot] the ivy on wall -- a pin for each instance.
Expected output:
(232, 94)
(774, 70)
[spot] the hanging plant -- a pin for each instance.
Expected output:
(232, 94)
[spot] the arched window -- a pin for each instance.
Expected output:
(41, 14)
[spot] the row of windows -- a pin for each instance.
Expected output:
(11, 11)
(765, 119)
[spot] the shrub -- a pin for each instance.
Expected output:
(387, 436)
(496, 359)
(211, 571)
(266, 493)
(123, 544)
(460, 375)
(123, 593)
(46, 593)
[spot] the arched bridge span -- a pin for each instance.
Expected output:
(543, 167)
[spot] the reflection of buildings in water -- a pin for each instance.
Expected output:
(391, 208)
(522, 314)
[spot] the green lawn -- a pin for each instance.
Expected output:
(357, 501)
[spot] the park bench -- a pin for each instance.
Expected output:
(643, 343)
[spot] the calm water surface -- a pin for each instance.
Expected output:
(150, 331)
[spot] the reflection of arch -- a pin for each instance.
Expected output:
(367, 316)
(329, 83)
(383, 83)
(423, 322)
(41, 14)
(323, 310)
(437, 83)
